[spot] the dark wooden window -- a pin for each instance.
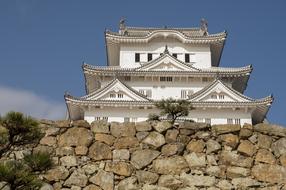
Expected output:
(166, 79)
(187, 58)
(149, 56)
(137, 57)
(175, 55)
(127, 78)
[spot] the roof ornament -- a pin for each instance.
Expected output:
(166, 51)
(115, 75)
(204, 26)
(217, 76)
(122, 27)
(66, 94)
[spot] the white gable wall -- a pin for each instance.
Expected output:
(201, 58)
(165, 90)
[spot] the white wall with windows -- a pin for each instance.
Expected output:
(211, 115)
(134, 55)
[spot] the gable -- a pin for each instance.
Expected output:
(166, 63)
(219, 92)
(118, 91)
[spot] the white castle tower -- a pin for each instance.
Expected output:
(149, 64)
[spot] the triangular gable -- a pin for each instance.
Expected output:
(216, 92)
(120, 91)
(166, 62)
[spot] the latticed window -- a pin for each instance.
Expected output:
(213, 96)
(237, 121)
(112, 95)
(221, 96)
(146, 92)
(97, 118)
(183, 94)
(208, 120)
(205, 79)
(200, 120)
(229, 121)
(126, 119)
(127, 78)
(105, 118)
(186, 93)
(120, 95)
(149, 93)
(134, 119)
(166, 79)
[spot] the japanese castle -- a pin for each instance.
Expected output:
(145, 65)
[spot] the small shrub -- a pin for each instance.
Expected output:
(4, 136)
(21, 130)
(38, 161)
(174, 108)
(18, 176)
(153, 117)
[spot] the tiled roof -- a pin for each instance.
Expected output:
(86, 97)
(267, 99)
(223, 70)
(191, 36)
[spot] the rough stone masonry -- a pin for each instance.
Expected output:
(158, 156)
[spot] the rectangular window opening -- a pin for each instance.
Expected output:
(126, 119)
(112, 95)
(137, 57)
(175, 55)
(187, 58)
(229, 121)
(120, 95)
(237, 121)
(127, 78)
(149, 56)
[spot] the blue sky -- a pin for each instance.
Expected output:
(43, 44)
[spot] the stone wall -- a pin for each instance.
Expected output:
(158, 156)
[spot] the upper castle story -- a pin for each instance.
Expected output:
(133, 47)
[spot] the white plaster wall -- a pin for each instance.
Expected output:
(118, 113)
(217, 116)
(127, 52)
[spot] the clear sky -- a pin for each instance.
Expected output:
(43, 44)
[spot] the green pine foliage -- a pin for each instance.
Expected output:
(4, 136)
(38, 161)
(21, 130)
(153, 117)
(18, 176)
(174, 108)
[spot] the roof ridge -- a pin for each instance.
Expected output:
(156, 28)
